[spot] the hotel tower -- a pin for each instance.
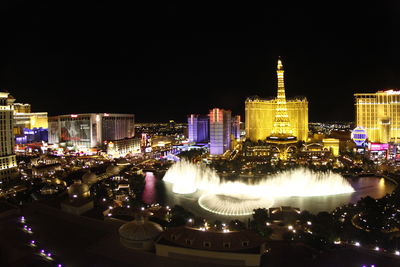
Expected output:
(379, 114)
(8, 164)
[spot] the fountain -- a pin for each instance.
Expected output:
(240, 198)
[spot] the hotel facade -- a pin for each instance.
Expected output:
(264, 118)
(379, 114)
(8, 163)
(84, 131)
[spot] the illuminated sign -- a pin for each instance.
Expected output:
(378, 147)
(359, 135)
(74, 116)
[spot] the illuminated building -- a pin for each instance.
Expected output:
(31, 136)
(220, 131)
(24, 118)
(236, 127)
(83, 131)
(261, 113)
(8, 164)
(123, 147)
(379, 114)
(29, 127)
(198, 128)
(331, 144)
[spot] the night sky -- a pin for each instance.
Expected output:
(164, 61)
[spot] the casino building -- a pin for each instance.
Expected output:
(261, 114)
(8, 164)
(29, 127)
(198, 128)
(220, 131)
(273, 127)
(379, 114)
(84, 131)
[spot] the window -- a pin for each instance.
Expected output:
(189, 242)
(207, 244)
(226, 244)
(245, 243)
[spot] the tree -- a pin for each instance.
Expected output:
(260, 215)
(305, 216)
(236, 225)
(287, 236)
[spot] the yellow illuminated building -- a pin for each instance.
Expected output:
(24, 118)
(379, 114)
(331, 144)
(8, 162)
(266, 117)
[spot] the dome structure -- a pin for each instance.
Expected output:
(78, 190)
(89, 178)
(112, 169)
(139, 234)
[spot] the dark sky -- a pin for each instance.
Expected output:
(163, 61)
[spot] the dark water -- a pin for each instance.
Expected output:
(156, 191)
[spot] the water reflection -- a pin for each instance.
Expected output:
(149, 193)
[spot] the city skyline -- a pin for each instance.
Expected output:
(102, 58)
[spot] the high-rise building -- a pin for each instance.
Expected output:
(83, 131)
(236, 127)
(198, 128)
(379, 114)
(266, 117)
(8, 163)
(220, 131)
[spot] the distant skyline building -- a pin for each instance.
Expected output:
(266, 117)
(8, 163)
(198, 128)
(220, 131)
(379, 114)
(84, 131)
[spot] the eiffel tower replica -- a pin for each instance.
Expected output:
(282, 133)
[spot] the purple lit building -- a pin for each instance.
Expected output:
(32, 136)
(220, 131)
(198, 128)
(236, 127)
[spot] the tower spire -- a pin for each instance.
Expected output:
(281, 125)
